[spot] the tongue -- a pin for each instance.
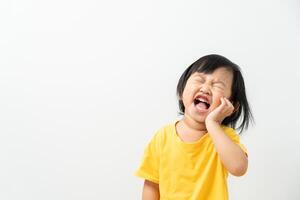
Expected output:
(201, 105)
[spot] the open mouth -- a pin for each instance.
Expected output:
(202, 103)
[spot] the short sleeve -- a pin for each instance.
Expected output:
(236, 139)
(149, 166)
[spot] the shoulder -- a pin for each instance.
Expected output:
(230, 132)
(228, 129)
(164, 132)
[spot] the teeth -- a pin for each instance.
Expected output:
(203, 100)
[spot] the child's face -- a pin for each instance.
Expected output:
(202, 92)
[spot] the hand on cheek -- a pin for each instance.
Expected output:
(224, 110)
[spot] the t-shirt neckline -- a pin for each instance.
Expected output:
(188, 144)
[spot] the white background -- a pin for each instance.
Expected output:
(84, 85)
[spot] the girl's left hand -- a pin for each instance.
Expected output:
(224, 110)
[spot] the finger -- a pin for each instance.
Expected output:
(223, 106)
(229, 103)
(220, 107)
(230, 107)
(223, 103)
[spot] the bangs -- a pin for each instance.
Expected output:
(209, 64)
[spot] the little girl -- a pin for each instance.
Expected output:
(190, 158)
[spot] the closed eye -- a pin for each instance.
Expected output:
(219, 84)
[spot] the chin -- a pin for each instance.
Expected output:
(199, 118)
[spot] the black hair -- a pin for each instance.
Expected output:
(208, 64)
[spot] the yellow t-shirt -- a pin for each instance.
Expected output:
(185, 171)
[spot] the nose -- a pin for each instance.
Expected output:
(205, 90)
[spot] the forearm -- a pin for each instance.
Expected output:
(150, 191)
(232, 156)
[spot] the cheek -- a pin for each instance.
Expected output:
(187, 96)
(217, 98)
(227, 93)
(218, 94)
(222, 93)
(217, 101)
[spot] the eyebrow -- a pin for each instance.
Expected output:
(199, 75)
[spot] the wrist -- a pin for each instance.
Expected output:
(211, 124)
